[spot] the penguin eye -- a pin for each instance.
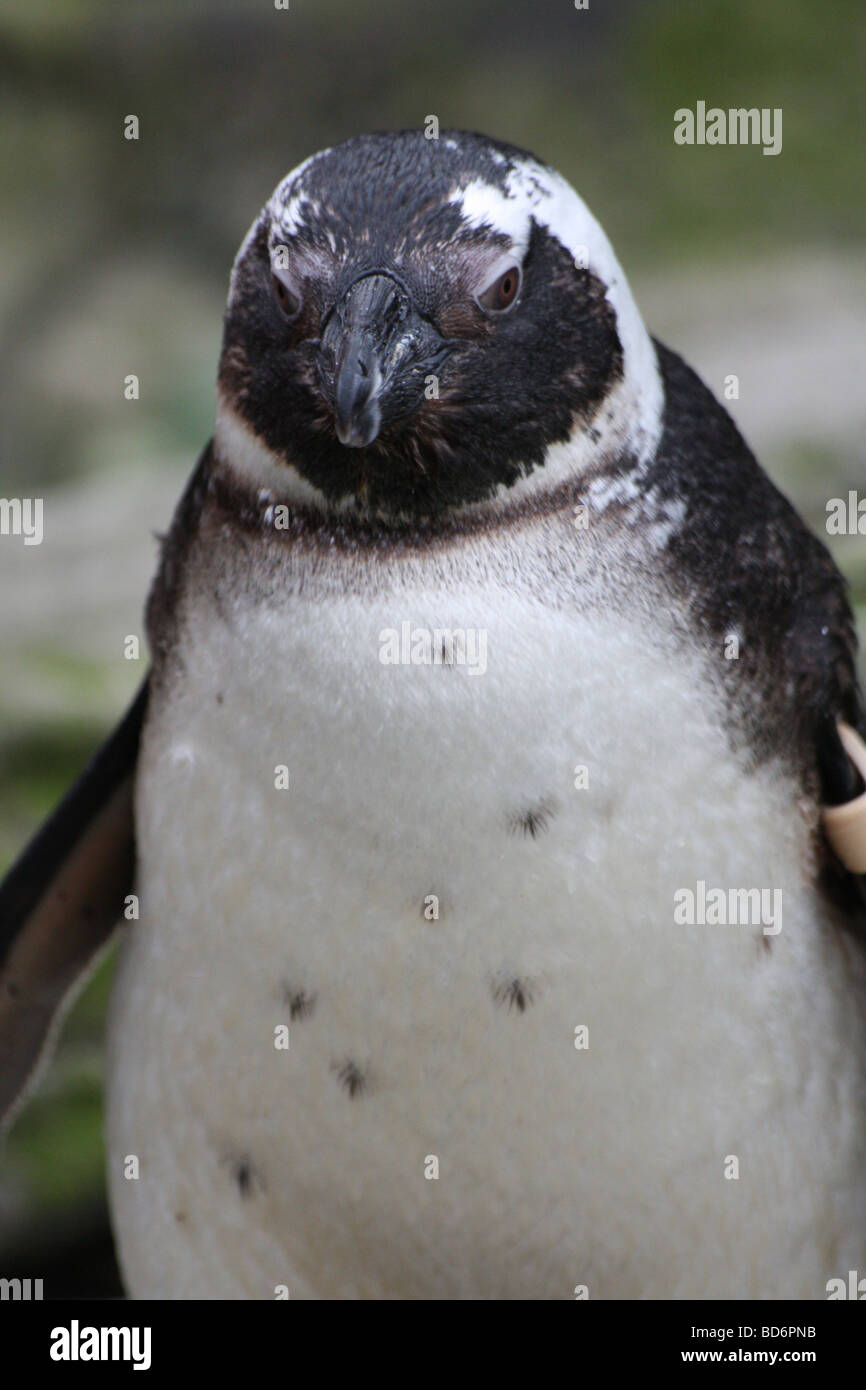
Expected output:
(287, 299)
(501, 294)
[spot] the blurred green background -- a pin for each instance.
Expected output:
(114, 258)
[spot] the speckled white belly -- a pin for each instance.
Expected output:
(429, 914)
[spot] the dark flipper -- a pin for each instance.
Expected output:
(744, 561)
(60, 901)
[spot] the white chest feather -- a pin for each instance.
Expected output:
(510, 1071)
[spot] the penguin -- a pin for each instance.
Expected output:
(494, 804)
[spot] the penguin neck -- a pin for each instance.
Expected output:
(605, 459)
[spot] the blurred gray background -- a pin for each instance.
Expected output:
(114, 259)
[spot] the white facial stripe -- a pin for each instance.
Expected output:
(639, 398)
(288, 198)
(613, 432)
(483, 206)
(282, 208)
(289, 218)
(535, 192)
(238, 448)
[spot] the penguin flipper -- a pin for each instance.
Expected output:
(62, 898)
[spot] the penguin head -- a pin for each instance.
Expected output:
(421, 325)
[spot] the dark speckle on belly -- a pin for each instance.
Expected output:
(299, 1002)
(244, 1173)
(533, 820)
(351, 1078)
(513, 994)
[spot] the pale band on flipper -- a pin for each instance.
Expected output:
(846, 824)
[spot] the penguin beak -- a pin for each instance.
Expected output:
(375, 354)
